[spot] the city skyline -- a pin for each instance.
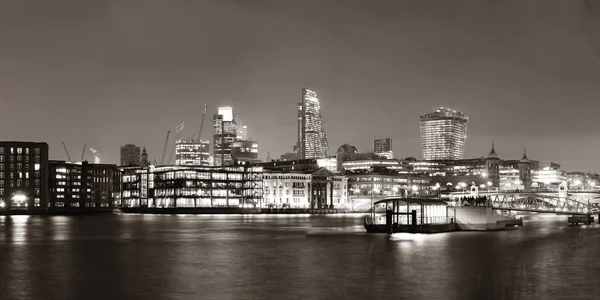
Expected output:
(109, 85)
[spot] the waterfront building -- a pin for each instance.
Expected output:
(583, 181)
(383, 147)
(225, 132)
(130, 155)
(549, 175)
(244, 150)
(23, 177)
(192, 152)
(320, 189)
(305, 165)
(191, 186)
(312, 140)
(443, 134)
(382, 183)
(347, 152)
(289, 156)
(82, 187)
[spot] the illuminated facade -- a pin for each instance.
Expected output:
(225, 130)
(23, 177)
(192, 153)
(386, 184)
(82, 187)
(245, 151)
(312, 140)
(191, 187)
(443, 134)
(130, 155)
(383, 147)
(242, 131)
(320, 189)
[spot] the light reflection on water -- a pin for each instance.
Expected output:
(288, 257)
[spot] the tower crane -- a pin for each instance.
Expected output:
(178, 131)
(83, 152)
(162, 158)
(201, 125)
(67, 151)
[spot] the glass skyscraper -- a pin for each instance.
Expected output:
(443, 134)
(312, 141)
(225, 131)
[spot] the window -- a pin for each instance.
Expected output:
(12, 158)
(36, 167)
(1, 167)
(36, 151)
(19, 150)
(26, 159)
(27, 151)
(1, 183)
(36, 159)
(19, 182)
(12, 150)
(1, 191)
(12, 167)
(1, 150)
(1, 157)
(37, 191)
(12, 183)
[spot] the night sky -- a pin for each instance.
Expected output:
(107, 73)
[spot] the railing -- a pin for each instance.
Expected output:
(406, 220)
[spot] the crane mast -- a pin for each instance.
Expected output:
(67, 151)
(201, 125)
(162, 158)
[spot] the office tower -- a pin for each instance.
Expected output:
(242, 131)
(225, 132)
(130, 155)
(312, 140)
(23, 177)
(443, 134)
(245, 151)
(192, 153)
(383, 147)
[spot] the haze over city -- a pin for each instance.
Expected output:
(107, 73)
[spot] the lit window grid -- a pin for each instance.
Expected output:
(443, 138)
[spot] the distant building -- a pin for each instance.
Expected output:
(383, 147)
(319, 189)
(225, 132)
(130, 155)
(23, 177)
(82, 187)
(347, 152)
(312, 140)
(242, 131)
(289, 156)
(191, 186)
(245, 151)
(192, 153)
(443, 134)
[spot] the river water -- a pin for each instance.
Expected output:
(288, 257)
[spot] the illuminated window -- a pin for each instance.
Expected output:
(36, 167)
(19, 150)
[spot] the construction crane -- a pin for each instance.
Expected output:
(162, 158)
(201, 125)
(83, 152)
(67, 151)
(178, 131)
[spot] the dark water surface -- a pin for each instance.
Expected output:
(288, 257)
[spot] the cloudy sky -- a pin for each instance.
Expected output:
(110, 72)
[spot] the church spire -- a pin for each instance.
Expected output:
(524, 152)
(493, 153)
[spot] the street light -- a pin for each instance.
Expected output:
(415, 189)
(489, 184)
(395, 189)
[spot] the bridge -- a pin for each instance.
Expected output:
(554, 202)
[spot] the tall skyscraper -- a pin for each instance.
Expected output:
(192, 152)
(130, 155)
(312, 140)
(225, 133)
(383, 147)
(443, 134)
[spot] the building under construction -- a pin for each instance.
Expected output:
(192, 152)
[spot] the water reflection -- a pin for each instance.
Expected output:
(287, 257)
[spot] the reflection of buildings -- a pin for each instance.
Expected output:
(244, 150)
(443, 134)
(130, 155)
(312, 141)
(383, 147)
(191, 187)
(192, 152)
(304, 189)
(82, 187)
(23, 177)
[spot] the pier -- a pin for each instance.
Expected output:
(412, 215)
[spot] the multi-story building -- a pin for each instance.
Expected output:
(320, 189)
(380, 184)
(443, 134)
(82, 187)
(242, 131)
(383, 147)
(23, 177)
(245, 151)
(130, 155)
(225, 132)
(312, 140)
(191, 186)
(192, 152)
